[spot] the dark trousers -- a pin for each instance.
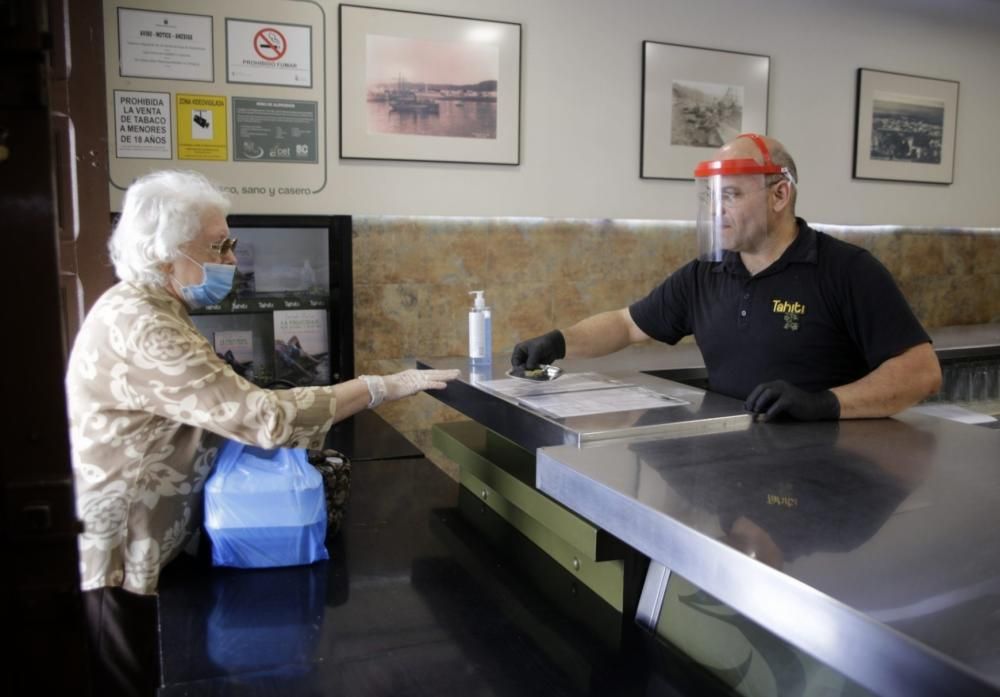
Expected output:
(123, 642)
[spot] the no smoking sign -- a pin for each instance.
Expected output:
(270, 44)
(269, 53)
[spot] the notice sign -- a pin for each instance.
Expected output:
(165, 45)
(274, 130)
(269, 54)
(201, 127)
(142, 125)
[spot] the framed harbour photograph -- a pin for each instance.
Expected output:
(426, 87)
(694, 100)
(904, 127)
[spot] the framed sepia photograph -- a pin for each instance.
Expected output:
(694, 100)
(904, 127)
(426, 87)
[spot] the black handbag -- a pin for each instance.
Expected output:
(335, 467)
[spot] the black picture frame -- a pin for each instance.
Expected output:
(432, 114)
(729, 89)
(905, 127)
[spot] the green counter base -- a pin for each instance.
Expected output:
(498, 475)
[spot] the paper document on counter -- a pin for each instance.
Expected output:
(568, 382)
(953, 412)
(629, 398)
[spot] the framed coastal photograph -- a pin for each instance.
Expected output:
(436, 88)
(694, 100)
(904, 127)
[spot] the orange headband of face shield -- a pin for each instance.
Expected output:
(710, 168)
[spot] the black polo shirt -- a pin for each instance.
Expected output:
(824, 314)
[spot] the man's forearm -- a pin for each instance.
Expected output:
(897, 384)
(601, 334)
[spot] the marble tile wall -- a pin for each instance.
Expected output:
(412, 277)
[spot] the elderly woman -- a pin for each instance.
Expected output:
(150, 403)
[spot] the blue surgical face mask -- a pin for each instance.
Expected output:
(214, 287)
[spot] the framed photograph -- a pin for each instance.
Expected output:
(904, 127)
(694, 100)
(437, 88)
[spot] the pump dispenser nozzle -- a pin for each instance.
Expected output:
(480, 302)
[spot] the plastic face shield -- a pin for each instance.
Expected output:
(732, 212)
(732, 202)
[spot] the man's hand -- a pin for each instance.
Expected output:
(770, 399)
(542, 349)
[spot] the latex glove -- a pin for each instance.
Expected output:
(769, 399)
(399, 385)
(544, 349)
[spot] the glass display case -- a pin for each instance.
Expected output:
(289, 319)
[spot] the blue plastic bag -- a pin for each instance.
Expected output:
(265, 508)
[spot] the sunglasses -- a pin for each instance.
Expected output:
(224, 247)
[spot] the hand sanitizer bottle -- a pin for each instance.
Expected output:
(480, 331)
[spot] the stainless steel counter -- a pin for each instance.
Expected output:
(969, 341)
(704, 412)
(868, 544)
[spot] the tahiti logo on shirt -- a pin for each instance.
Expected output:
(780, 500)
(792, 311)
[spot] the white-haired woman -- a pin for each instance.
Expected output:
(150, 402)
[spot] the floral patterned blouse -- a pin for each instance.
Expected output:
(149, 405)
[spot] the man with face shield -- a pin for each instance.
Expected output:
(733, 203)
(787, 318)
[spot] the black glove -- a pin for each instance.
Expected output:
(544, 349)
(779, 397)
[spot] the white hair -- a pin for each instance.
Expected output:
(161, 212)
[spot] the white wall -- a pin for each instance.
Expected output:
(580, 121)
